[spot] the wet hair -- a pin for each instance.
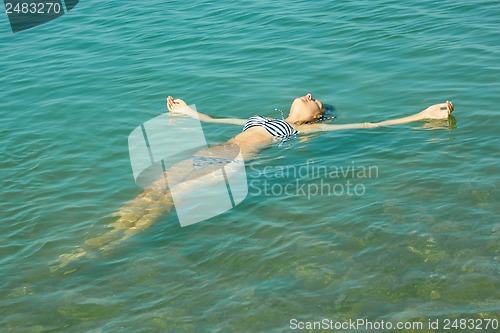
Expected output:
(328, 114)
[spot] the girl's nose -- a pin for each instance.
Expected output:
(309, 96)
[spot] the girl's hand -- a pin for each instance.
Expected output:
(178, 106)
(438, 111)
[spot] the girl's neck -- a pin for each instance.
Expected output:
(293, 121)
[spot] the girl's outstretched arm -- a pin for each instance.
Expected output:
(436, 111)
(179, 106)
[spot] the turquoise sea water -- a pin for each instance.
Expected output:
(419, 241)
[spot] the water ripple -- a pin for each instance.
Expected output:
(421, 238)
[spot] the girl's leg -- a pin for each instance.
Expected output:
(148, 207)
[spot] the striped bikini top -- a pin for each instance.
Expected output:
(276, 127)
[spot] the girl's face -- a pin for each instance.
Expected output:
(306, 108)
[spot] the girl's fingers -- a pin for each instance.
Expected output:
(451, 107)
(171, 103)
(448, 106)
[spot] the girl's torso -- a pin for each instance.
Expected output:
(260, 132)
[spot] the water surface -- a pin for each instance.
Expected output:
(420, 243)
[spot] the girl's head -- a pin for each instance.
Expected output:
(306, 109)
